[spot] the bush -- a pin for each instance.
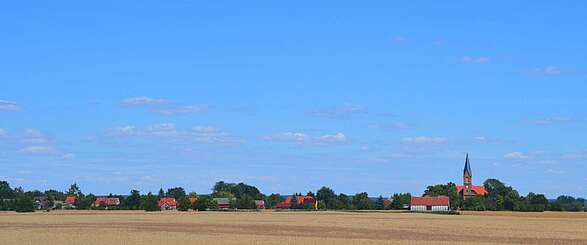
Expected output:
(24, 205)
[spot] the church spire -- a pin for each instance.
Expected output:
(467, 169)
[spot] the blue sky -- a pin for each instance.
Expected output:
(380, 97)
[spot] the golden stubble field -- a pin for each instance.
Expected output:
(325, 228)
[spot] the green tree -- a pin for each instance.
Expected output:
(401, 200)
(176, 192)
(85, 202)
(294, 202)
(183, 204)
(361, 201)
(161, 193)
(150, 203)
(273, 199)
(474, 203)
(74, 190)
(380, 204)
(245, 202)
(328, 196)
(24, 204)
(5, 191)
(133, 201)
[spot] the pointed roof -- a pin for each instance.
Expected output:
(467, 166)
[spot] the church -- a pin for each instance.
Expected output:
(468, 190)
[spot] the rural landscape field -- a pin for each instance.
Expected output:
(130, 227)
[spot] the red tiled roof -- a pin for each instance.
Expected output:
(478, 189)
(430, 201)
(107, 201)
(170, 201)
(300, 200)
(70, 199)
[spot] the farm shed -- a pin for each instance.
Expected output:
(430, 204)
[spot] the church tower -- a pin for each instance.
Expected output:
(468, 180)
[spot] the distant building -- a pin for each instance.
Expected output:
(167, 203)
(223, 202)
(260, 204)
(41, 202)
(301, 200)
(107, 201)
(69, 202)
(430, 204)
(468, 190)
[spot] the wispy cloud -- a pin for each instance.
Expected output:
(340, 112)
(6, 105)
(396, 125)
(551, 120)
(142, 101)
(2, 132)
(574, 156)
(68, 156)
(475, 60)
(423, 140)
(202, 134)
(37, 150)
(180, 110)
(516, 155)
(302, 138)
(549, 70)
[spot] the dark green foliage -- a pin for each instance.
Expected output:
(85, 202)
(161, 194)
(5, 191)
(294, 202)
(272, 200)
(380, 204)
(150, 203)
(361, 201)
(176, 192)
(238, 190)
(400, 200)
(327, 196)
(24, 204)
(245, 202)
(74, 190)
(205, 203)
(474, 203)
(133, 201)
(183, 204)
(568, 203)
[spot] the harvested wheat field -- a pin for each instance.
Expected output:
(124, 227)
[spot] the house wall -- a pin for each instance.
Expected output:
(422, 208)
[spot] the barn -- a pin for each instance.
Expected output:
(107, 201)
(430, 204)
(167, 203)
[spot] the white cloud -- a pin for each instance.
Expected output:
(554, 171)
(142, 101)
(169, 131)
(343, 111)
(302, 138)
(287, 136)
(423, 140)
(180, 110)
(6, 105)
(549, 70)
(516, 155)
(551, 120)
(2, 132)
(338, 137)
(477, 60)
(34, 136)
(37, 150)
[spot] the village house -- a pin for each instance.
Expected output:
(106, 202)
(223, 202)
(468, 190)
(167, 203)
(260, 204)
(301, 200)
(69, 202)
(41, 202)
(430, 204)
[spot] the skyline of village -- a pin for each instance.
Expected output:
(286, 97)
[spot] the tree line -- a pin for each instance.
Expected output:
(505, 198)
(243, 196)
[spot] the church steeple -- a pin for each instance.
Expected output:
(467, 167)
